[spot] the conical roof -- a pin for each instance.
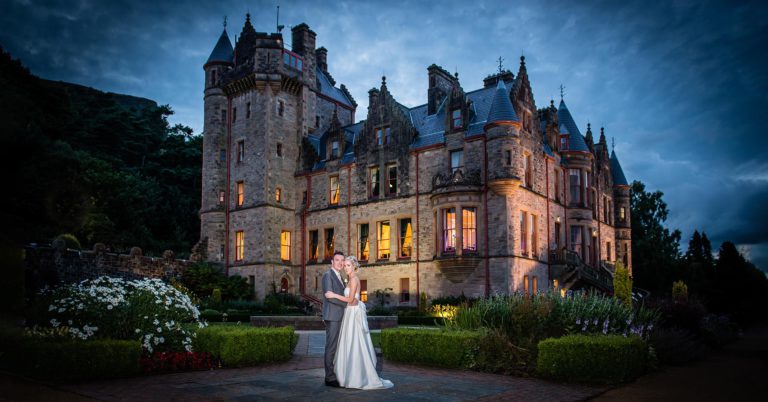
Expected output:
(618, 174)
(223, 51)
(501, 107)
(575, 139)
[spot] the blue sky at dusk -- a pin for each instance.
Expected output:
(682, 86)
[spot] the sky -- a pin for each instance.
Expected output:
(681, 86)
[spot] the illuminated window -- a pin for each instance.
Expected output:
(363, 290)
(314, 246)
(392, 180)
(278, 195)
(406, 238)
(221, 196)
(240, 193)
(449, 230)
(534, 285)
(329, 247)
(374, 181)
(285, 245)
(240, 150)
(405, 292)
(622, 214)
(457, 160)
(526, 283)
(363, 245)
(384, 243)
(335, 190)
(334, 149)
(528, 171)
(456, 121)
(239, 245)
(469, 230)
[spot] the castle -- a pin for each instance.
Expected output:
(472, 193)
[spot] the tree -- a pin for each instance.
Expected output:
(697, 266)
(742, 286)
(655, 250)
(622, 284)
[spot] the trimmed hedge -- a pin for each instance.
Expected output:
(428, 321)
(243, 346)
(430, 347)
(74, 360)
(601, 359)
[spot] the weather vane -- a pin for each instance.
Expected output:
(562, 91)
(501, 69)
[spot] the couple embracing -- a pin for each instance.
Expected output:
(350, 360)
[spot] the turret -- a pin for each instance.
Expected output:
(502, 128)
(621, 196)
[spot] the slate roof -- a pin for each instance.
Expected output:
(617, 172)
(568, 126)
(327, 89)
(501, 106)
(223, 51)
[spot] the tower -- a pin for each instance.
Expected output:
(621, 194)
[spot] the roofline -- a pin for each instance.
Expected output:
(328, 98)
(217, 62)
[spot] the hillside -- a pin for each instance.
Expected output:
(106, 167)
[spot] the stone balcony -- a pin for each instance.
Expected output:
(457, 180)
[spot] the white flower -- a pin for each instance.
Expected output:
(55, 323)
(159, 329)
(138, 330)
(109, 307)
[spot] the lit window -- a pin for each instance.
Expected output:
(335, 191)
(329, 247)
(239, 245)
(240, 193)
(392, 180)
(535, 285)
(457, 160)
(469, 230)
(406, 238)
(384, 243)
(221, 196)
(278, 195)
(456, 121)
(285, 245)
(240, 151)
(622, 214)
(313, 246)
(363, 290)
(363, 245)
(374, 180)
(334, 149)
(449, 230)
(526, 283)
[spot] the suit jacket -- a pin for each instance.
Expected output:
(333, 309)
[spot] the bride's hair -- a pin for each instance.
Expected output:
(354, 262)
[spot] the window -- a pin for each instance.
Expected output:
(383, 249)
(363, 245)
(279, 150)
(213, 77)
(528, 171)
(221, 196)
(469, 230)
(285, 245)
(240, 193)
(240, 150)
(248, 110)
(526, 283)
(622, 214)
(224, 116)
(625, 257)
(374, 181)
(523, 233)
(284, 285)
(252, 281)
(576, 239)
(564, 143)
(329, 249)
(239, 245)
(234, 114)
(280, 107)
(304, 197)
(557, 235)
(317, 121)
(557, 185)
(405, 293)
(293, 60)
(574, 186)
(449, 230)
(508, 158)
(383, 136)
(593, 201)
(278, 195)
(406, 238)
(456, 121)
(457, 160)
(223, 155)
(534, 285)
(335, 191)
(363, 290)
(605, 209)
(313, 246)
(387, 135)
(608, 251)
(392, 180)
(334, 149)
(379, 137)
(532, 240)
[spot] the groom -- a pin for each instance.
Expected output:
(333, 312)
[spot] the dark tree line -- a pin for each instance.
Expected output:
(105, 167)
(727, 283)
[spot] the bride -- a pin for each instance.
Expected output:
(355, 363)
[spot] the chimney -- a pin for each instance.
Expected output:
(321, 57)
(303, 40)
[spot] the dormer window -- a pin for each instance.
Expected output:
(456, 121)
(293, 60)
(563, 143)
(383, 136)
(334, 149)
(457, 160)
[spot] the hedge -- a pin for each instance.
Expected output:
(601, 359)
(74, 360)
(243, 346)
(429, 347)
(428, 321)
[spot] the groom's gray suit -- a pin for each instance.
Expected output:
(333, 312)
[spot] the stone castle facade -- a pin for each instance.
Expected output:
(474, 192)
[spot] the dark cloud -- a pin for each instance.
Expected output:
(679, 84)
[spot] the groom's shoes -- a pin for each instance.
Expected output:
(333, 383)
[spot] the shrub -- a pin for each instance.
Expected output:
(429, 347)
(52, 359)
(148, 310)
(450, 300)
(69, 240)
(680, 291)
(243, 346)
(592, 358)
(675, 346)
(429, 321)
(496, 354)
(202, 278)
(622, 284)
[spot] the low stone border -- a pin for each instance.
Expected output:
(302, 323)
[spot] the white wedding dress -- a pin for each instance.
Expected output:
(355, 363)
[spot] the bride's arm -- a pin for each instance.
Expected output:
(354, 286)
(331, 295)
